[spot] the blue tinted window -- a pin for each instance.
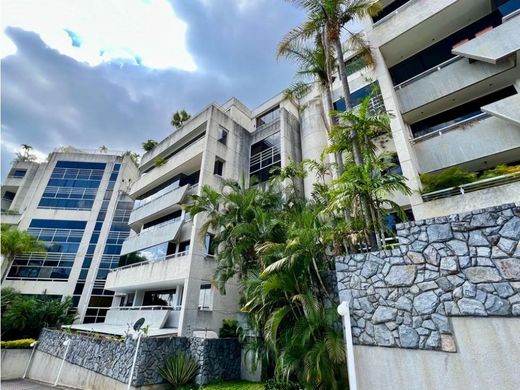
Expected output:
(57, 224)
(19, 173)
(80, 165)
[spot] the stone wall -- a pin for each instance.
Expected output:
(218, 358)
(461, 265)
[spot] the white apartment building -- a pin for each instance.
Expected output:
(169, 268)
(76, 203)
(448, 71)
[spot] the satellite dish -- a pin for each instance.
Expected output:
(138, 324)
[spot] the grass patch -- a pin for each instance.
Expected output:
(235, 385)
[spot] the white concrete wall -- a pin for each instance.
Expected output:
(45, 369)
(487, 358)
(14, 362)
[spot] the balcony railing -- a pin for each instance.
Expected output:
(141, 263)
(471, 187)
(157, 307)
(428, 72)
(265, 158)
(159, 194)
(393, 13)
(451, 126)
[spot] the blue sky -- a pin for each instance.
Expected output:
(92, 72)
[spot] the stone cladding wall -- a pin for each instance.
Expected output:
(461, 265)
(219, 359)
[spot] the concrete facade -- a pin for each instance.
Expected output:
(83, 280)
(196, 150)
(14, 363)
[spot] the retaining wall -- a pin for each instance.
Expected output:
(219, 359)
(14, 362)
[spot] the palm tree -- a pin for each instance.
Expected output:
(363, 189)
(25, 154)
(149, 145)
(179, 118)
(15, 242)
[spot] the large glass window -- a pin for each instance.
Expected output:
(376, 104)
(268, 117)
(265, 155)
(73, 185)
(172, 217)
(160, 298)
(62, 239)
(218, 168)
(19, 173)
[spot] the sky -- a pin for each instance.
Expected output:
(88, 73)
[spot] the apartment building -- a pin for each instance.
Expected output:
(166, 266)
(448, 70)
(77, 204)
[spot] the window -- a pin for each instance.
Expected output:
(172, 217)
(210, 248)
(19, 173)
(9, 195)
(160, 298)
(376, 104)
(222, 137)
(218, 168)
(205, 297)
(268, 117)
(184, 246)
(265, 155)
(128, 300)
(73, 185)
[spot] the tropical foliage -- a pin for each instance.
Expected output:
(25, 316)
(179, 118)
(25, 154)
(15, 242)
(149, 145)
(229, 329)
(179, 370)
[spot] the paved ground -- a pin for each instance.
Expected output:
(20, 384)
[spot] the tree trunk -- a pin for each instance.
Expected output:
(356, 150)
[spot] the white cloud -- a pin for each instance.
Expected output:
(137, 31)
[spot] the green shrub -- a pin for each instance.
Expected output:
(451, 177)
(179, 370)
(272, 384)
(24, 316)
(229, 329)
(500, 170)
(159, 161)
(17, 344)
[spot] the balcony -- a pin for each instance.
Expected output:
(10, 217)
(188, 159)
(155, 235)
(418, 23)
(446, 79)
(495, 44)
(149, 274)
(155, 206)
(481, 194)
(468, 140)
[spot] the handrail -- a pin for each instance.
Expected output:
(436, 68)
(141, 263)
(268, 153)
(158, 226)
(471, 187)
(155, 307)
(152, 198)
(452, 126)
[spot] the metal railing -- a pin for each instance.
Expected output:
(77, 174)
(51, 234)
(159, 194)
(159, 225)
(70, 149)
(264, 155)
(275, 123)
(451, 126)
(472, 187)
(142, 263)
(156, 307)
(428, 72)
